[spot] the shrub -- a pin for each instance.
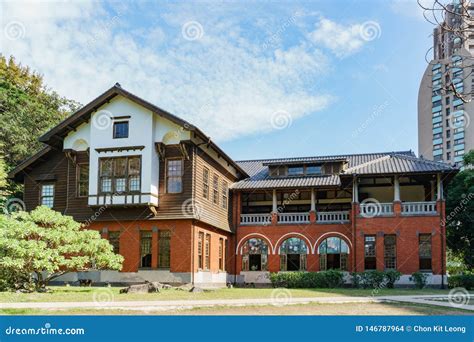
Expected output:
(462, 280)
(368, 279)
(391, 276)
(46, 244)
(375, 279)
(324, 279)
(420, 279)
(332, 278)
(455, 264)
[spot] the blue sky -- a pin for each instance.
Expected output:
(263, 79)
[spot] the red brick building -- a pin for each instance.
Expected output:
(180, 210)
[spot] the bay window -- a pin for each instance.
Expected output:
(119, 174)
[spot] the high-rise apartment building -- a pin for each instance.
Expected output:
(445, 98)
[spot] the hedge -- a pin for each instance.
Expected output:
(463, 280)
(323, 279)
(375, 279)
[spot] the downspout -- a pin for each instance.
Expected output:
(442, 217)
(354, 223)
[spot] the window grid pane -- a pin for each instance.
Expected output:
(114, 240)
(47, 195)
(145, 249)
(174, 174)
(205, 183)
(120, 174)
(390, 251)
(164, 255)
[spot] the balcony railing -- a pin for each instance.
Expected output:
(332, 216)
(293, 218)
(255, 219)
(419, 208)
(376, 209)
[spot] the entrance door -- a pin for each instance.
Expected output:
(333, 261)
(255, 262)
(293, 262)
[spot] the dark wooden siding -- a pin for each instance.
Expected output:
(58, 168)
(170, 205)
(55, 169)
(211, 213)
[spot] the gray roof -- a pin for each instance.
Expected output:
(399, 164)
(402, 162)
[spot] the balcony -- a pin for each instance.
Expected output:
(293, 218)
(123, 199)
(419, 208)
(332, 217)
(255, 219)
(376, 209)
(323, 217)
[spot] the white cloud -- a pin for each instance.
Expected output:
(343, 40)
(410, 8)
(225, 83)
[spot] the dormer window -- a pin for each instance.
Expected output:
(313, 170)
(295, 170)
(120, 129)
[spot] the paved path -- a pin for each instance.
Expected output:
(169, 305)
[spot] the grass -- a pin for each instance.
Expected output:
(89, 294)
(303, 309)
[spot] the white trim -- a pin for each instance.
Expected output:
(309, 247)
(251, 235)
(332, 233)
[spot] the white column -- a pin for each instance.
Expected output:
(439, 182)
(313, 200)
(396, 189)
(355, 190)
(275, 207)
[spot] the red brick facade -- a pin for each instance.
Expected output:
(185, 235)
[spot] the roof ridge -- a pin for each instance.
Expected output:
(326, 156)
(433, 162)
(370, 162)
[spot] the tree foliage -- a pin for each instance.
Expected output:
(460, 212)
(43, 245)
(27, 110)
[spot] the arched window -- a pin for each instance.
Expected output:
(254, 255)
(333, 254)
(293, 253)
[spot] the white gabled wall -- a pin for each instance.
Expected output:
(145, 128)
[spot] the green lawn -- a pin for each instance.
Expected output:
(85, 294)
(303, 309)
